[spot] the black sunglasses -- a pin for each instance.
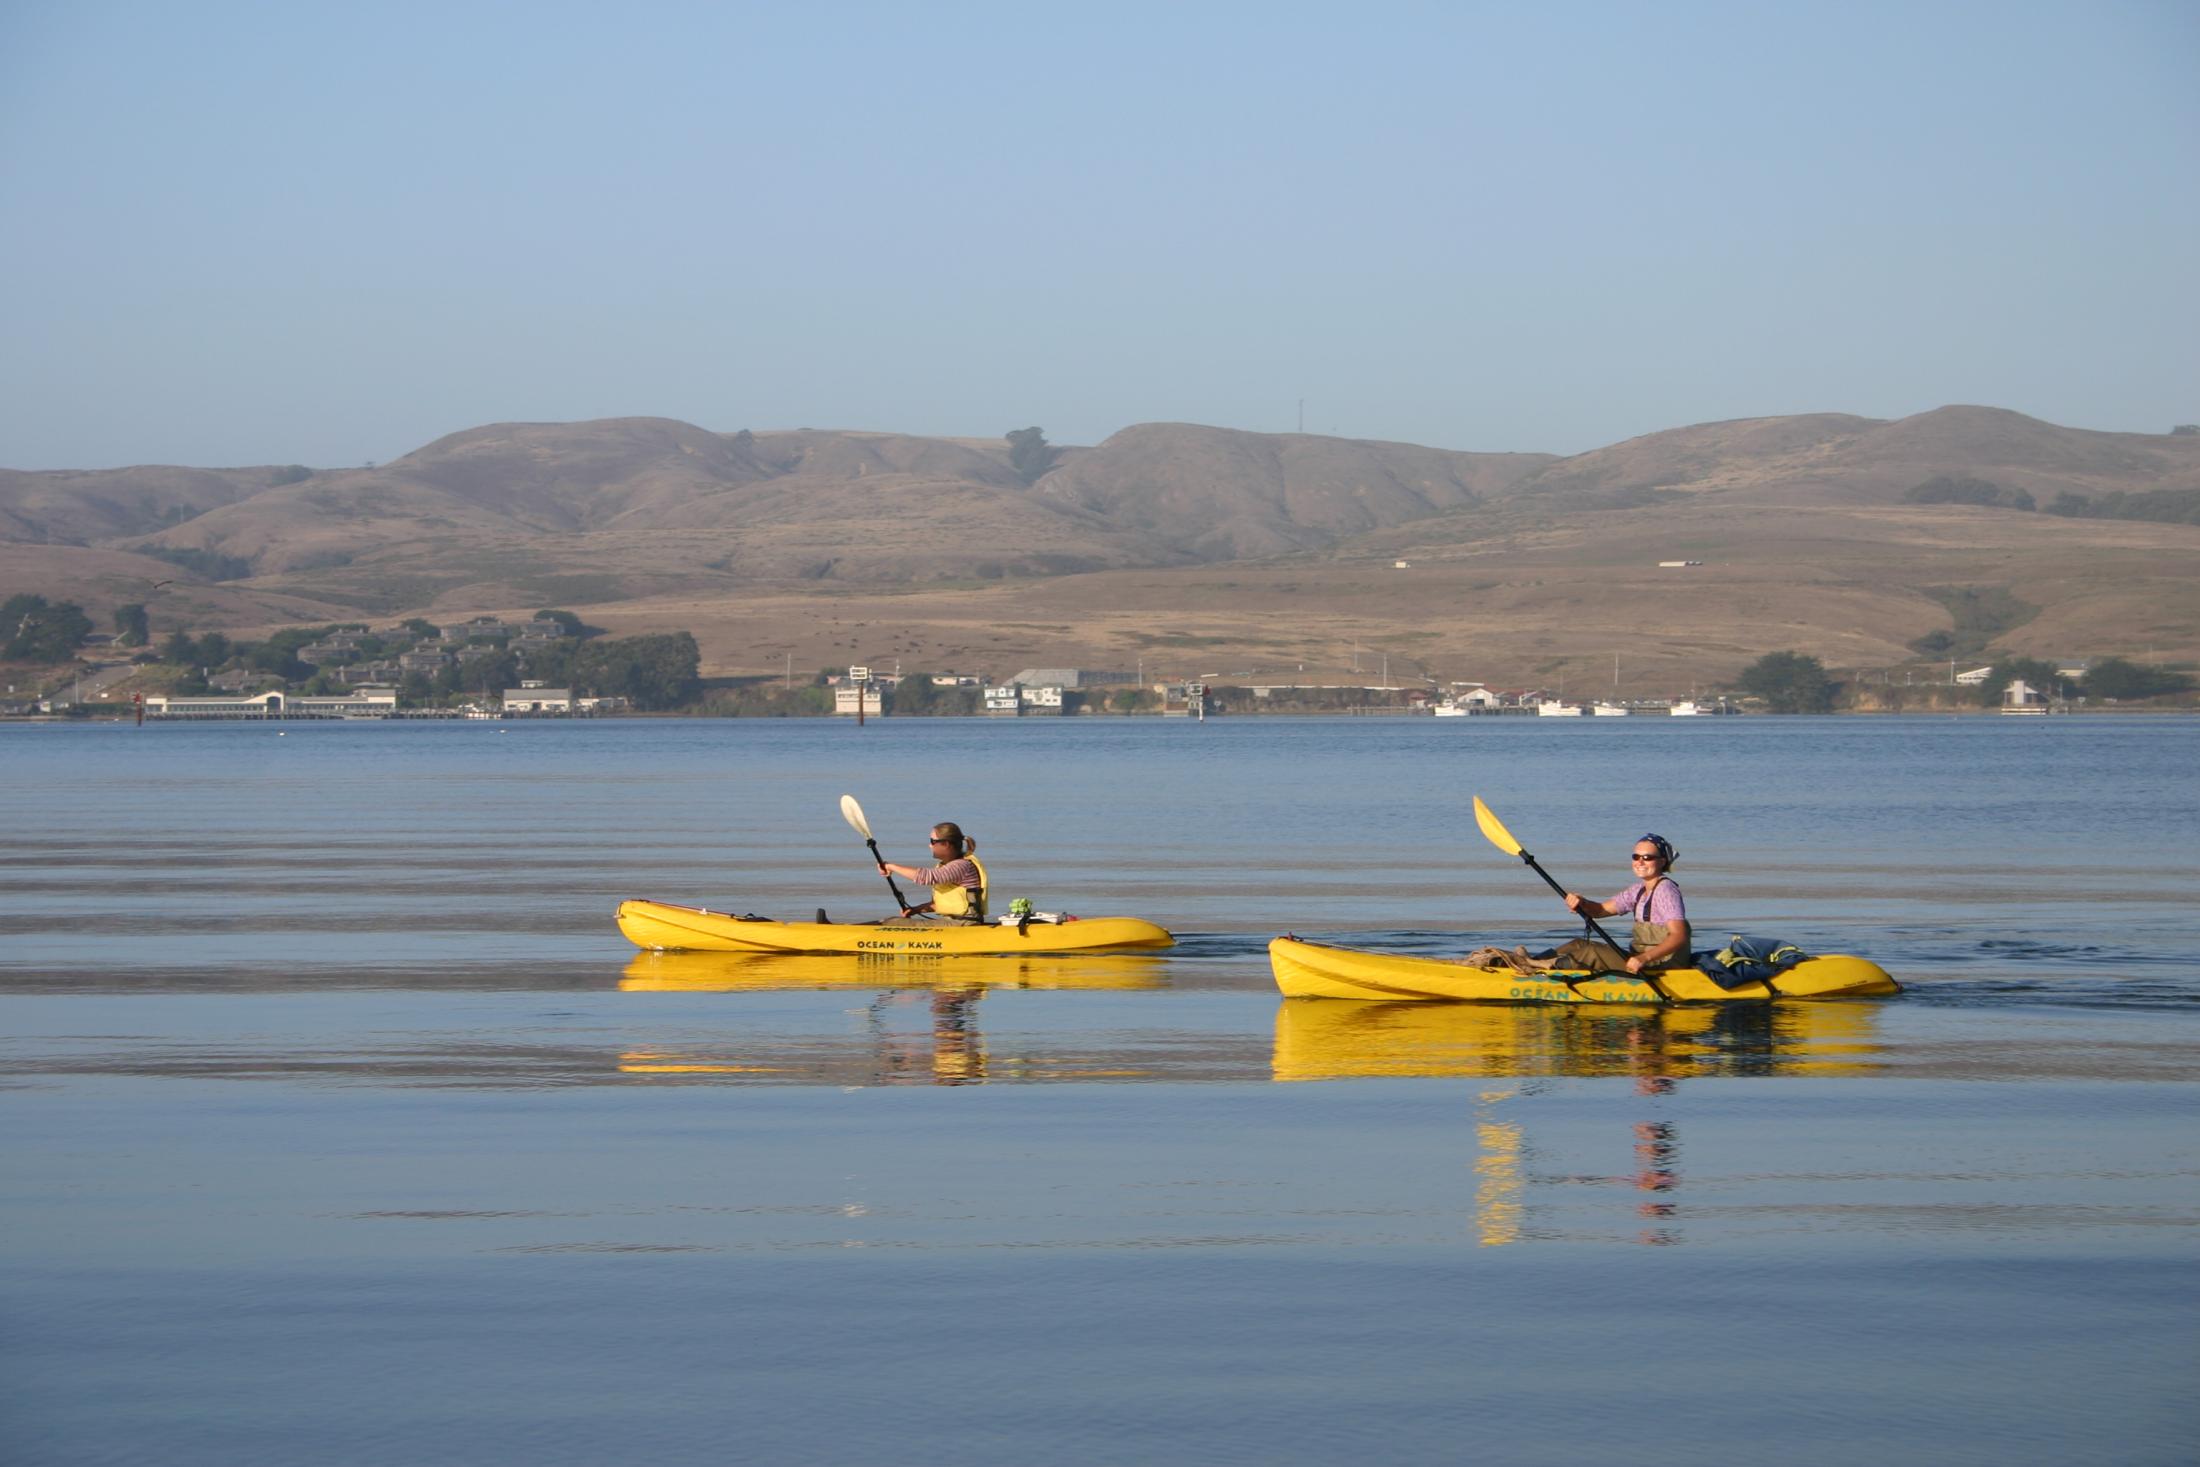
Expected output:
(1642, 856)
(943, 840)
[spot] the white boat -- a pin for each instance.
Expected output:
(1553, 709)
(1610, 710)
(1686, 708)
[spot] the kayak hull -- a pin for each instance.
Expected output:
(664, 927)
(1313, 970)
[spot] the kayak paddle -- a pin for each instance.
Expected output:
(853, 814)
(1502, 838)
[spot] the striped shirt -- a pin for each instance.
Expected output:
(961, 871)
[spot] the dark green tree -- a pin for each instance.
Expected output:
(1789, 682)
(574, 626)
(2113, 677)
(654, 672)
(913, 697)
(33, 629)
(213, 650)
(1030, 455)
(131, 627)
(178, 648)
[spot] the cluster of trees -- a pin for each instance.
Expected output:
(1030, 455)
(33, 629)
(1790, 682)
(2156, 506)
(1964, 489)
(656, 672)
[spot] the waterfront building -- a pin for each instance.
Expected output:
(537, 700)
(359, 703)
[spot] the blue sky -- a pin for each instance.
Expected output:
(298, 232)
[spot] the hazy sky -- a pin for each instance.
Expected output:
(296, 231)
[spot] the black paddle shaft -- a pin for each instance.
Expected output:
(1584, 916)
(890, 875)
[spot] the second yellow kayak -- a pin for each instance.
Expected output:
(1311, 970)
(664, 927)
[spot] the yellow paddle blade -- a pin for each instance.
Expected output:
(1495, 829)
(852, 812)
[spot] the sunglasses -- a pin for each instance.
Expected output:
(941, 840)
(1641, 856)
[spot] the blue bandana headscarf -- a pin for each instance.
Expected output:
(1667, 855)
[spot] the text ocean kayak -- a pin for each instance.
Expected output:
(663, 927)
(1311, 970)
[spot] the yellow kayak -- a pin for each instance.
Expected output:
(1311, 970)
(692, 972)
(663, 927)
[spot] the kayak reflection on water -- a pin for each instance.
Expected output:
(1656, 1047)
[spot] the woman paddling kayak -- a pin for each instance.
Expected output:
(958, 882)
(1653, 901)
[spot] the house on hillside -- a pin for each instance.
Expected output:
(1974, 677)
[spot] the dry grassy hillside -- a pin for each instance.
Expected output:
(1834, 459)
(82, 507)
(1190, 546)
(1224, 495)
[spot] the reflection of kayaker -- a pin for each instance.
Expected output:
(954, 1049)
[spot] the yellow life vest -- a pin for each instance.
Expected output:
(959, 900)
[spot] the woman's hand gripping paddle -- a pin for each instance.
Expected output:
(1502, 838)
(853, 814)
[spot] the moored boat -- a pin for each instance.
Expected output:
(1552, 708)
(1313, 970)
(665, 927)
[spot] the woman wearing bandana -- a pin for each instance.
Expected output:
(1652, 901)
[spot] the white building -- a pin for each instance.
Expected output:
(1003, 701)
(845, 694)
(1975, 676)
(538, 700)
(360, 703)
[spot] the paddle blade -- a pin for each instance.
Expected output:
(852, 812)
(1495, 829)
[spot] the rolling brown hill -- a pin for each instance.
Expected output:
(1165, 536)
(1834, 459)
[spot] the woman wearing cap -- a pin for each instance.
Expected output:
(1653, 901)
(958, 882)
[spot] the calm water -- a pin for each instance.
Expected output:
(340, 1126)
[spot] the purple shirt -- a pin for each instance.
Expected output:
(1665, 903)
